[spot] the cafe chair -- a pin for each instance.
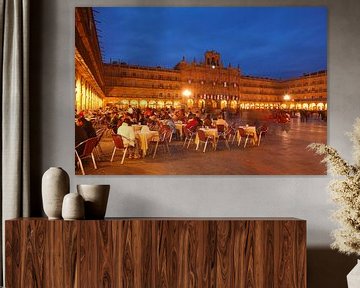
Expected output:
(99, 134)
(244, 134)
(205, 139)
(221, 130)
(164, 139)
(189, 136)
(84, 150)
(262, 132)
(222, 134)
(167, 127)
(118, 145)
(231, 134)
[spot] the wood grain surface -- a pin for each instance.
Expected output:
(156, 253)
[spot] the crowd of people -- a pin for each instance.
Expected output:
(113, 118)
(120, 120)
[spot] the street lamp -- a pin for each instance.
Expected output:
(186, 93)
(287, 97)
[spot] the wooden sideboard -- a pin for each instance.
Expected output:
(156, 252)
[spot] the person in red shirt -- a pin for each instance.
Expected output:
(192, 124)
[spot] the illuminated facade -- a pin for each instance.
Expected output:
(206, 84)
(308, 92)
(89, 74)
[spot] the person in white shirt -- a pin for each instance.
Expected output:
(130, 110)
(127, 132)
(128, 137)
(221, 121)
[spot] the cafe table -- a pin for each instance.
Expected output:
(251, 130)
(144, 137)
(179, 127)
(137, 127)
(208, 132)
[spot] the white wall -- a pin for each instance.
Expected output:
(304, 197)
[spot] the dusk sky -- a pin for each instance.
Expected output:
(276, 42)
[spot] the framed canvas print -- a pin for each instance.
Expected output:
(200, 90)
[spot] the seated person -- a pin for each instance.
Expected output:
(198, 119)
(207, 121)
(128, 135)
(87, 126)
(221, 121)
(80, 136)
(192, 124)
(170, 122)
(153, 123)
(114, 121)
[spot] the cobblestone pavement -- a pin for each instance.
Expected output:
(281, 152)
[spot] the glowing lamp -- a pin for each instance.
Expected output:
(287, 97)
(186, 93)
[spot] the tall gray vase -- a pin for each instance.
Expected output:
(55, 185)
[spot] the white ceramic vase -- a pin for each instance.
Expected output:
(73, 207)
(96, 198)
(55, 185)
(353, 278)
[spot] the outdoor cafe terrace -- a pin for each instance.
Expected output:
(165, 143)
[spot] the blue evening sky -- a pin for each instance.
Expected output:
(277, 42)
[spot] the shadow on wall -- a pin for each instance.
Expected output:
(328, 268)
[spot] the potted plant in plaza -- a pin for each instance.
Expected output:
(345, 192)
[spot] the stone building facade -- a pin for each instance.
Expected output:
(206, 84)
(89, 74)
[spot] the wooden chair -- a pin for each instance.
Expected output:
(87, 147)
(118, 145)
